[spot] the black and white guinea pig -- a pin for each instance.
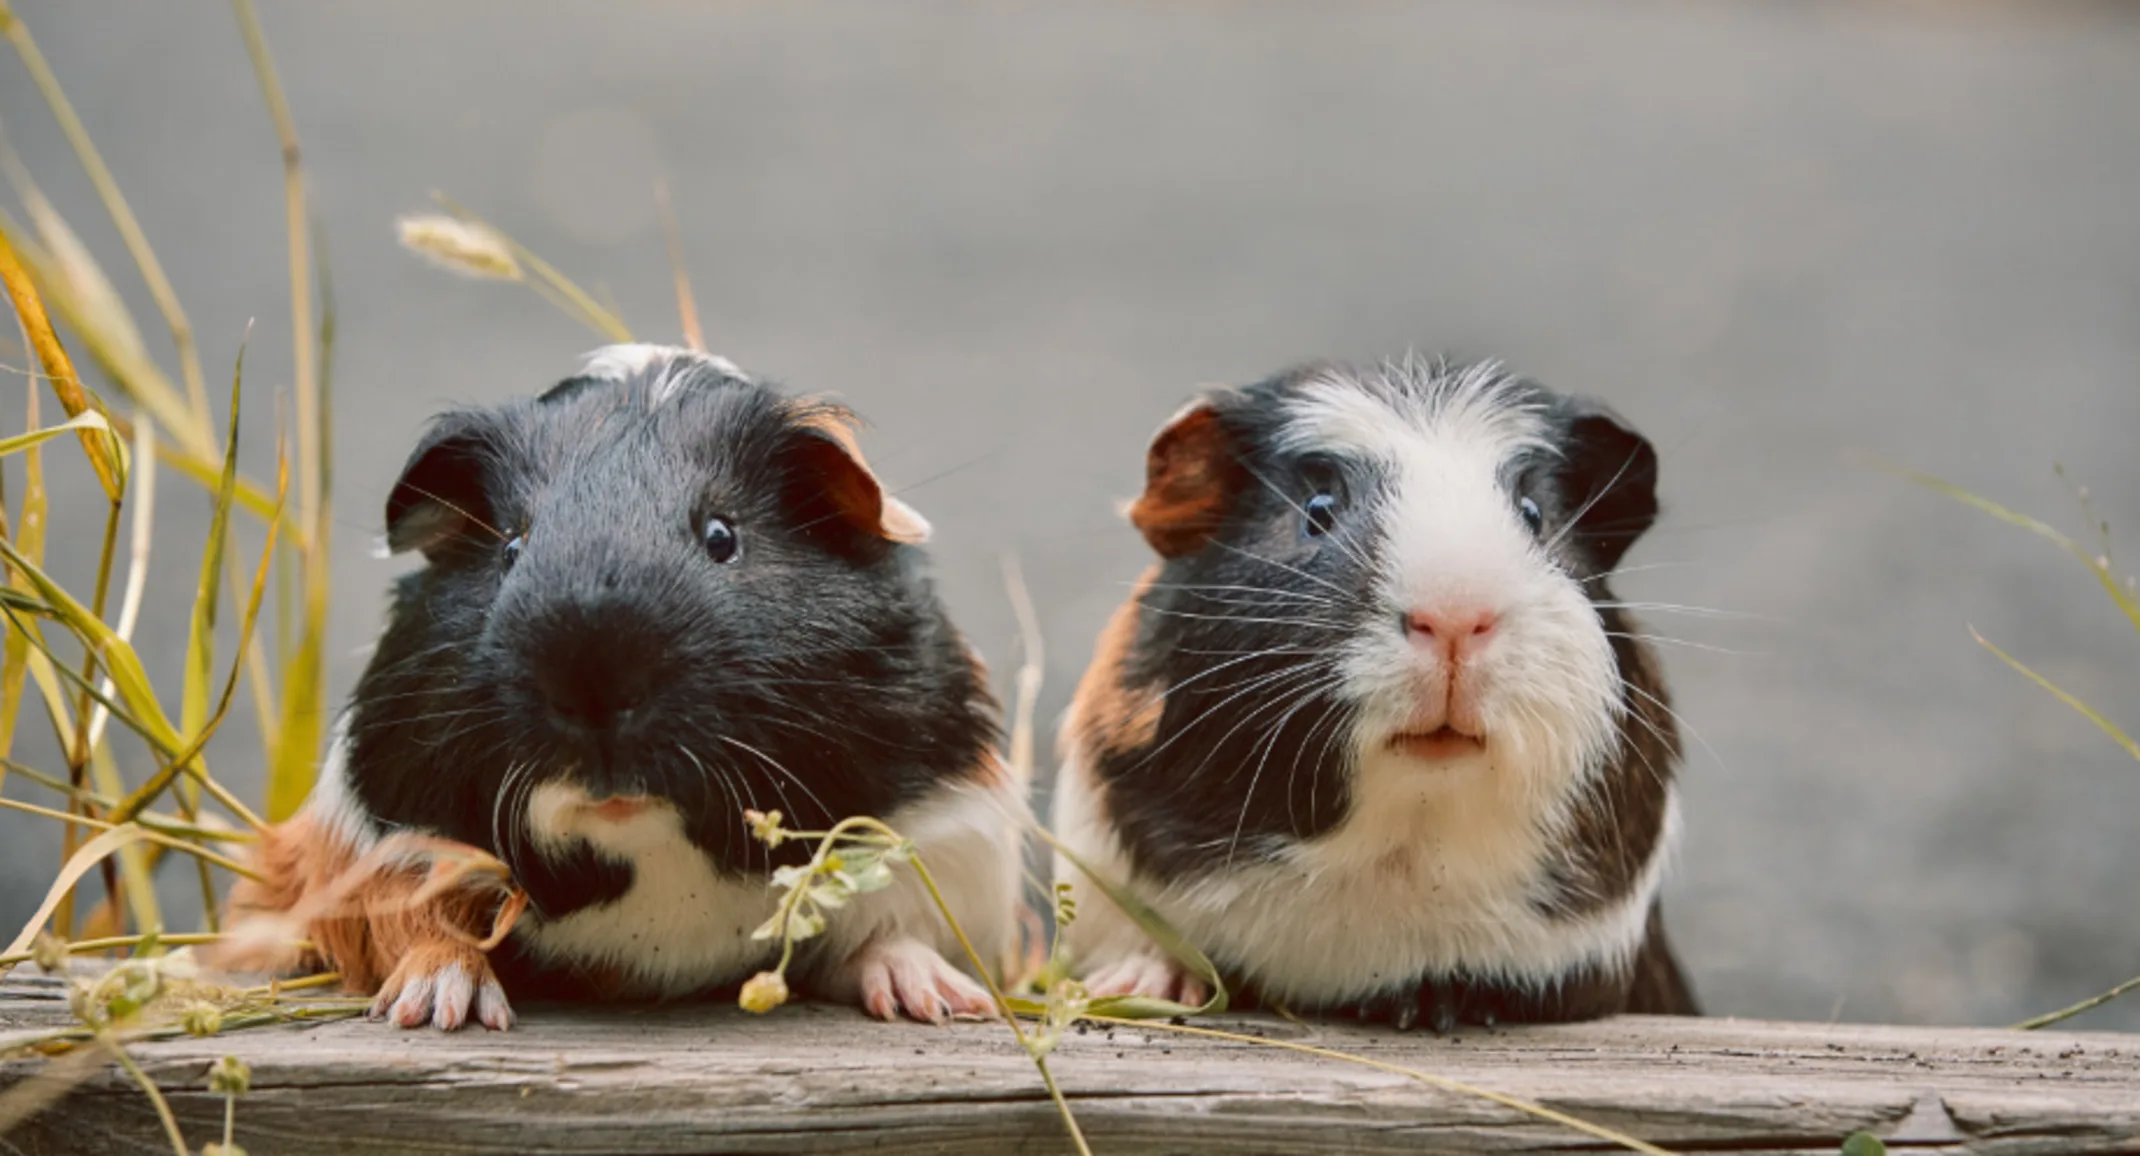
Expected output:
(1374, 733)
(655, 596)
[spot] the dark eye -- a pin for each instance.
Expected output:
(510, 552)
(1322, 510)
(722, 545)
(1533, 517)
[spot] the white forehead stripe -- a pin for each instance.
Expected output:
(1382, 413)
(666, 364)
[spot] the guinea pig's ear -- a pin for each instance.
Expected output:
(1611, 477)
(1191, 473)
(440, 495)
(833, 474)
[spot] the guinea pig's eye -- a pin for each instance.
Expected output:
(510, 552)
(1533, 517)
(1322, 510)
(722, 545)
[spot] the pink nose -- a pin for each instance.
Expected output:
(1456, 631)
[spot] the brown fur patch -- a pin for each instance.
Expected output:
(1190, 475)
(364, 915)
(1108, 715)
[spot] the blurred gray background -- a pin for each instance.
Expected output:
(1783, 239)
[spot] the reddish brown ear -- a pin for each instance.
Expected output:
(1190, 476)
(845, 482)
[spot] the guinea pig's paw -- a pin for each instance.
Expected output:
(896, 974)
(445, 984)
(1150, 973)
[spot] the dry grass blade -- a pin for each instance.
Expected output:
(1446, 1084)
(79, 864)
(103, 334)
(185, 845)
(2125, 599)
(2066, 1013)
(105, 454)
(2108, 727)
(137, 242)
(301, 728)
(184, 760)
(70, 260)
(686, 303)
(137, 562)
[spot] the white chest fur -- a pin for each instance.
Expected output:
(1433, 871)
(681, 927)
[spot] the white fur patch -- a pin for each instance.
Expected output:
(1424, 876)
(622, 363)
(683, 926)
(332, 804)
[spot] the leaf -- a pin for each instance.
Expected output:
(30, 533)
(113, 653)
(79, 864)
(86, 420)
(2108, 727)
(1863, 1144)
(200, 644)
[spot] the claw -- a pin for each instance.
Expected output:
(891, 976)
(1442, 1007)
(443, 984)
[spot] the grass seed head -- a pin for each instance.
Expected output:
(463, 247)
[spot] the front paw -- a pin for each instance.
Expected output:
(1151, 974)
(899, 974)
(446, 984)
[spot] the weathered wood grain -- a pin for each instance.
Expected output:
(702, 1079)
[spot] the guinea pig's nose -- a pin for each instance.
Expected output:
(594, 687)
(1455, 632)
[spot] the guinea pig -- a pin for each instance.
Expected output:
(654, 597)
(1373, 733)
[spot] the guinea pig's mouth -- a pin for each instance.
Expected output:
(618, 808)
(1444, 742)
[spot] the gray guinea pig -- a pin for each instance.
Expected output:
(658, 595)
(1374, 732)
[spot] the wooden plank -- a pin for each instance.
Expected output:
(709, 1078)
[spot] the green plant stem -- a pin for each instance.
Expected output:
(2067, 1013)
(148, 1086)
(1443, 1082)
(886, 836)
(122, 942)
